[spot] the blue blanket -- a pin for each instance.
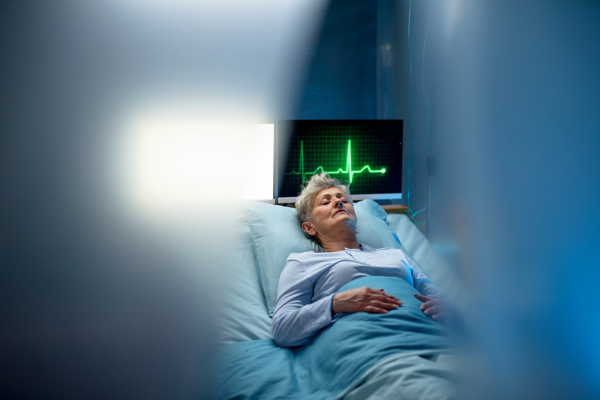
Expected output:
(336, 357)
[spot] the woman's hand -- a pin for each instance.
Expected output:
(364, 299)
(434, 308)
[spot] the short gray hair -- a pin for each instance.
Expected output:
(310, 190)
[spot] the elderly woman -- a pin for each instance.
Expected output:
(307, 296)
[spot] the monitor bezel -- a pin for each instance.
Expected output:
(291, 200)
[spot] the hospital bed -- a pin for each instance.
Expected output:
(264, 239)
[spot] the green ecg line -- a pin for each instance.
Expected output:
(348, 169)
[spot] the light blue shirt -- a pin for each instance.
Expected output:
(309, 280)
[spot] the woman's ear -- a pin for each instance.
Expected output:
(308, 228)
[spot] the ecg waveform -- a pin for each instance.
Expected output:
(349, 171)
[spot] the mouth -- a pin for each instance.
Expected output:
(341, 210)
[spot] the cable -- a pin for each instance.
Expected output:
(412, 113)
(412, 110)
(423, 63)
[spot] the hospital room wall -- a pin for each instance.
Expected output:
(403, 93)
(340, 78)
(359, 69)
(514, 135)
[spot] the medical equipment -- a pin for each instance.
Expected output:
(365, 153)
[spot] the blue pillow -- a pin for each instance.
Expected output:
(277, 233)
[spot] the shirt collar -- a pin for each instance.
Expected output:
(363, 247)
(366, 248)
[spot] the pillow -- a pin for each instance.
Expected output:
(371, 226)
(243, 313)
(277, 233)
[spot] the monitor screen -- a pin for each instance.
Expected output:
(366, 154)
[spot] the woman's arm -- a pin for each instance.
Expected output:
(433, 306)
(420, 281)
(296, 319)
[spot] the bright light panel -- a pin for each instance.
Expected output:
(179, 161)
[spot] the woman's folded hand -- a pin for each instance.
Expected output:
(434, 308)
(364, 299)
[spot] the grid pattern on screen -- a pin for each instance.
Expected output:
(351, 151)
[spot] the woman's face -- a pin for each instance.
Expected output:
(328, 218)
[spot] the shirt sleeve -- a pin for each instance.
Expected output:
(421, 282)
(296, 319)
